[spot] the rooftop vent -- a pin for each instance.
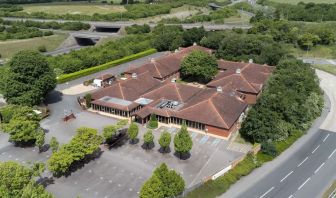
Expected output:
(219, 89)
(238, 71)
(176, 51)
(173, 80)
(134, 75)
(250, 60)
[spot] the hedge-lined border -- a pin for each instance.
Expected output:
(72, 76)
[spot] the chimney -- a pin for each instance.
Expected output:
(176, 51)
(173, 80)
(219, 89)
(194, 44)
(238, 71)
(250, 60)
(134, 75)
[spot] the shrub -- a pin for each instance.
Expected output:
(153, 122)
(42, 48)
(269, 148)
(67, 77)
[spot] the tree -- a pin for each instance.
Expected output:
(308, 40)
(199, 66)
(29, 80)
(88, 99)
(133, 131)
(54, 144)
(18, 181)
(109, 132)
(38, 168)
(148, 139)
(193, 35)
(173, 183)
(165, 140)
(40, 139)
(153, 122)
(152, 188)
(182, 141)
(121, 123)
(22, 130)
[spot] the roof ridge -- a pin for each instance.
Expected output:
(154, 63)
(213, 106)
(178, 92)
(121, 91)
(249, 84)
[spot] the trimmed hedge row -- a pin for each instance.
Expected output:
(67, 77)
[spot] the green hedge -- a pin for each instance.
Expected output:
(67, 77)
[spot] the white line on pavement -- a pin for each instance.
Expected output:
(319, 168)
(269, 190)
(286, 176)
(304, 183)
(315, 149)
(302, 162)
(326, 138)
(291, 196)
(331, 154)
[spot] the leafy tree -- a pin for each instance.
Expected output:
(29, 80)
(54, 144)
(307, 41)
(173, 183)
(148, 138)
(153, 122)
(193, 35)
(269, 148)
(182, 141)
(138, 29)
(40, 139)
(22, 130)
(152, 188)
(133, 132)
(109, 132)
(165, 140)
(15, 111)
(85, 143)
(88, 99)
(121, 123)
(17, 181)
(199, 66)
(38, 168)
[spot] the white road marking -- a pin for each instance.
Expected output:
(315, 149)
(286, 176)
(326, 138)
(319, 168)
(331, 154)
(291, 196)
(269, 190)
(304, 183)
(302, 162)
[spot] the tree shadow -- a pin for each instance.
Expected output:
(148, 146)
(45, 181)
(135, 141)
(44, 148)
(27, 144)
(118, 141)
(53, 97)
(182, 156)
(164, 150)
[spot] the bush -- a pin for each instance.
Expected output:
(67, 77)
(269, 148)
(138, 29)
(42, 48)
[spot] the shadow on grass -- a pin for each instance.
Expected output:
(164, 150)
(182, 156)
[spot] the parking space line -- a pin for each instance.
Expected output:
(302, 162)
(204, 139)
(332, 154)
(315, 149)
(215, 142)
(193, 135)
(319, 168)
(326, 138)
(304, 183)
(266, 192)
(286, 176)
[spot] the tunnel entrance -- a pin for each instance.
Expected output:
(107, 29)
(86, 41)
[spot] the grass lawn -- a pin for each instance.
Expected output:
(329, 192)
(10, 47)
(305, 1)
(327, 68)
(241, 18)
(85, 9)
(317, 52)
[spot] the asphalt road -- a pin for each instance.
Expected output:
(319, 61)
(304, 170)
(206, 26)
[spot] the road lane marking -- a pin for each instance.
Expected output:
(286, 176)
(304, 183)
(269, 190)
(315, 149)
(331, 154)
(291, 196)
(302, 162)
(319, 168)
(326, 138)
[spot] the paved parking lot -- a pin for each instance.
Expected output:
(121, 171)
